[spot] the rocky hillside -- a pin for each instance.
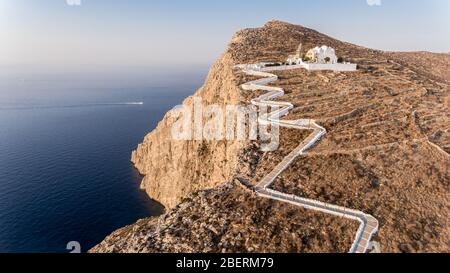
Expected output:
(434, 65)
(230, 219)
(386, 153)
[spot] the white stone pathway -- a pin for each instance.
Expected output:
(368, 224)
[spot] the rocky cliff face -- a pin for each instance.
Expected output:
(174, 168)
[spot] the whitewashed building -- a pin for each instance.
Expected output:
(297, 58)
(322, 55)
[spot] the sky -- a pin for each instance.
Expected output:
(113, 34)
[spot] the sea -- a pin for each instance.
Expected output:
(65, 148)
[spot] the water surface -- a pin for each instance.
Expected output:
(65, 171)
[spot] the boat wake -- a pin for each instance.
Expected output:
(33, 107)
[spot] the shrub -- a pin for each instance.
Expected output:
(340, 60)
(327, 59)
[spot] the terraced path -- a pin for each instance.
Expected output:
(368, 224)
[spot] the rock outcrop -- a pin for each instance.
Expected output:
(174, 168)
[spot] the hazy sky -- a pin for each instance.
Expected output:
(109, 33)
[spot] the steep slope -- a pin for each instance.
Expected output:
(386, 153)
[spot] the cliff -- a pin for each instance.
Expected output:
(385, 153)
(174, 168)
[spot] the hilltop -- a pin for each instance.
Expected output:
(386, 153)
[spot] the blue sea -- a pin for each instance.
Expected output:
(65, 171)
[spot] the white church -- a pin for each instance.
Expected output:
(322, 55)
(319, 58)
